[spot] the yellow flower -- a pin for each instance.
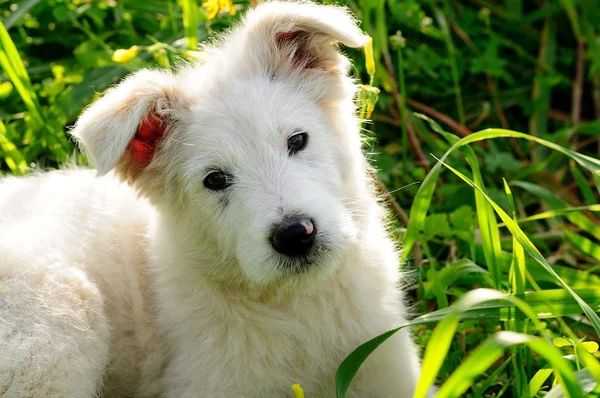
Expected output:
(213, 7)
(369, 59)
(227, 6)
(298, 391)
(121, 55)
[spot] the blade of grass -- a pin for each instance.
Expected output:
(423, 197)
(22, 8)
(578, 219)
(190, 22)
(583, 244)
(464, 268)
(571, 10)
(556, 213)
(590, 361)
(587, 162)
(491, 379)
(441, 338)
(529, 247)
(517, 277)
(546, 304)
(11, 62)
(518, 269)
(12, 156)
(489, 351)
(575, 278)
(483, 305)
(432, 358)
(488, 225)
(584, 378)
(403, 108)
(538, 380)
(584, 186)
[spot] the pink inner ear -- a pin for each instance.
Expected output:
(285, 36)
(150, 131)
(302, 57)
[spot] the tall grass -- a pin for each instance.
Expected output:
(502, 228)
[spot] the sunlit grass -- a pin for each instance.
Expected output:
(500, 228)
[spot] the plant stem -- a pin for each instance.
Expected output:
(403, 114)
(445, 27)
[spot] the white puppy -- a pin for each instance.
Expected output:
(245, 252)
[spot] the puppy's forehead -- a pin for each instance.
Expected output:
(256, 108)
(249, 116)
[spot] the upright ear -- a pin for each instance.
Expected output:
(291, 38)
(125, 127)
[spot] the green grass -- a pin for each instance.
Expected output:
(491, 107)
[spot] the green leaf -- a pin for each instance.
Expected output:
(562, 342)
(538, 380)
(462, 218)
(504, 161)
(63, 13)
(436, 225)
(590, 346)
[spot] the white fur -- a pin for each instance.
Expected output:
(160, 287)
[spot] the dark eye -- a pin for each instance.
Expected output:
(297, 142)
(217, 180)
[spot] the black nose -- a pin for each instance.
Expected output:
(294, 236)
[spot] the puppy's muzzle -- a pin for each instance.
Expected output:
(294, 236)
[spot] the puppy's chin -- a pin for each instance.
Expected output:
(276, 270)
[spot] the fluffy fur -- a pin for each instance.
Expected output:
(145, 283)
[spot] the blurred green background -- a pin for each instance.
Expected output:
(445, 69)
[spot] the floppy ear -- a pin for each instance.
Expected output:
(292, 38)
(126, 125)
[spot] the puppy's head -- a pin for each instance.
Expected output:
(254, 156)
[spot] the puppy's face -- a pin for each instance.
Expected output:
(261, 170)
(243, 152)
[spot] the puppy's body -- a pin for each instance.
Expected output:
(75, 301)
(170, 286)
